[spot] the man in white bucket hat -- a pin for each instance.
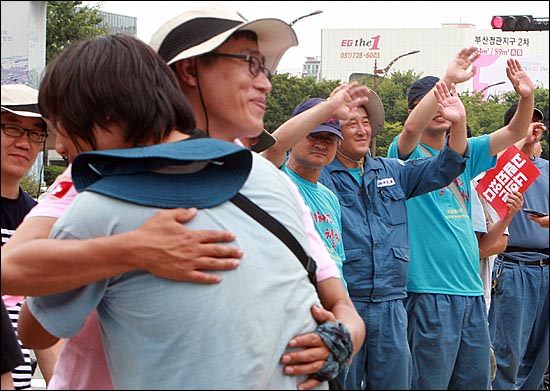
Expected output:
(224, 65)
(201, 41)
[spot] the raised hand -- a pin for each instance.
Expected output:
(345, 98)
(449, 104)
(462, 66)
(168, 249)
(519, 78)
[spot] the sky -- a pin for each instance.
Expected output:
(336, 15)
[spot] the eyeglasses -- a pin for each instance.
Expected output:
(17, 131)
(324, 138)
(254, 63)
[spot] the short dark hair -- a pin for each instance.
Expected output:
(512, 110)
(113, 78)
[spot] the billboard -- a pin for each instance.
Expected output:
(427, 51)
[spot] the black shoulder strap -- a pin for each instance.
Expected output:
(452, 185)
(279, 230)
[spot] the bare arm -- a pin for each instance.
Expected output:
(31, 332)
(459, 70)
(47, 358)
(495, 240)
(542, 221)
(32, 266)
(519, 124)
(451, 108)
(534, 134)
(338, 306)
(340, 105)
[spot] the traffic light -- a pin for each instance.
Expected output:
(519, 23)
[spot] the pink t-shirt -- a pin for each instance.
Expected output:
(57, 198)
(81, 364)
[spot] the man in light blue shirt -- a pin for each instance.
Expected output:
(445, 304)
(311, 149)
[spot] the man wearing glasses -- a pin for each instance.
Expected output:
(224, 64)
(23, 137)
(306, 143)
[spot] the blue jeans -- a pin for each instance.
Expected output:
(449, 342)
(518, 323)
(384, 360)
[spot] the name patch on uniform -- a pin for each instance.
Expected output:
(385, 182)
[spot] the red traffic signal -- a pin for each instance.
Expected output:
(517, 23)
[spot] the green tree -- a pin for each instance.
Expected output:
(69, 21)
(52, 172)
(30, 185)
(288, 91)
(484, 117)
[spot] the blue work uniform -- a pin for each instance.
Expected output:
(519, 312)
(376, 245)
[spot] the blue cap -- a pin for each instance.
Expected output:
(419, 89)
(331, 126)
(199, 173)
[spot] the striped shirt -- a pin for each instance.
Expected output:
(12, 213)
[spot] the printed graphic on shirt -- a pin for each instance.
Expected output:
(57, 190)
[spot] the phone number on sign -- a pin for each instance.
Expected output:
(360, 55)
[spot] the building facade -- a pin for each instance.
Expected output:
(347, 52)
(115, 23)
(311, 68)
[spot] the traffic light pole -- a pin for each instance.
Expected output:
(519, 23)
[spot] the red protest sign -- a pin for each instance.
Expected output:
(513, 172)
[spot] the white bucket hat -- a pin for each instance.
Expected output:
(202, 29)
(20, 99)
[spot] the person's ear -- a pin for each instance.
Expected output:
(186, 71)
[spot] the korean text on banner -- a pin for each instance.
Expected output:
(513, 172)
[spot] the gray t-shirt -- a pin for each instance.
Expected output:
(163, 334)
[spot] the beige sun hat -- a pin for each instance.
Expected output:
(202, 29)
(375, 111)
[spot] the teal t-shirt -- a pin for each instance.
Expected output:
(444, 250)
(326, 214)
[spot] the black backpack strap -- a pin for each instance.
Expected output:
(279, 230)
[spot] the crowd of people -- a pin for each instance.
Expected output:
(140, 269)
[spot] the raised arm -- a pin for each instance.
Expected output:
(459, 70)
(33, 265)
(340, 105)
(452, 109)
(534, 134)
(519, 124)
